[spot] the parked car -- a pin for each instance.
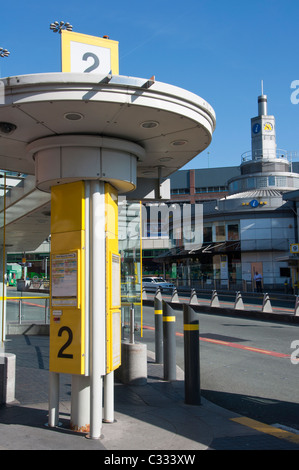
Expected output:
(152, 283)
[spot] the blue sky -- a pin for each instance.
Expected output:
(220, 50)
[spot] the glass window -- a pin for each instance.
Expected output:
(281, 181)
(232, 231)
(271, 180)
(250, 183)
(234, 186)
(207, 234)
(262, 182)
(219, 232)
(130, 251)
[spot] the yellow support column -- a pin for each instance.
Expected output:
(113, 300)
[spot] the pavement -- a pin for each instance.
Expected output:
(151, 418)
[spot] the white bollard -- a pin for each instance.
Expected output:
(239, 302)
(267, 307)
(214, 300)
(193, 298)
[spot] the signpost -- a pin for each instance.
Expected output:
(88, 54)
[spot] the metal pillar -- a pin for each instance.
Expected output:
(97, 326)
(158, 327)
(109, 398)
(132, 324)
(53, 399)
(191, 356)
(80, 403)
(3, 292)
(169, 345)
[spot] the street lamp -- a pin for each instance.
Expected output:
(57, 26)
(4, 52)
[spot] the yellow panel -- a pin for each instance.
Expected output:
(141, 305)
(63, 241)
(66, 341)
(111, 204)
(69, 36)
(113, 316)
(67, 207)
(67, 322)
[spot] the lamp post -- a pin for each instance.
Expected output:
(57, 26)
(4, 52)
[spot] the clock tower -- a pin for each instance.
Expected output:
(265, 168)
(263, 138)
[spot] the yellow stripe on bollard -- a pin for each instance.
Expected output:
(190, 327)
(172, 318)
(158, 312)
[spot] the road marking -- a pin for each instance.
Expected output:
(246, 348)
(267, 429)
(234, 345)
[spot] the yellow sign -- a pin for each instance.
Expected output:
(294, 248)
(67, 322)
(64, 277)
(113, 299)
(81, 53)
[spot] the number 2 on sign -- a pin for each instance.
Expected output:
(96, 61)
(61, 352)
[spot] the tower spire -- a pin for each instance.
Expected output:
(262, 102)
(263, 140)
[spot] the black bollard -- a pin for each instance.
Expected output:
(169, 344)
(158, 327)
(191, 356)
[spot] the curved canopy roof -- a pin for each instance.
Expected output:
(171, 124)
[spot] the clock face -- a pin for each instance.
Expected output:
(268, 127)
(256, 128)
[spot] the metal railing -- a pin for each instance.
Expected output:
(27, 309)
(264, 154)
(232, 285)
(284, 305)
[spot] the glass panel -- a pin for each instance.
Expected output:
(261, 182)
(250, 183)
(281, 181)
(25, 273)
(232, 231)
(219, 232)
(131, 263)
(207, 234)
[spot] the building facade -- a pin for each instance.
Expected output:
(248, 224)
